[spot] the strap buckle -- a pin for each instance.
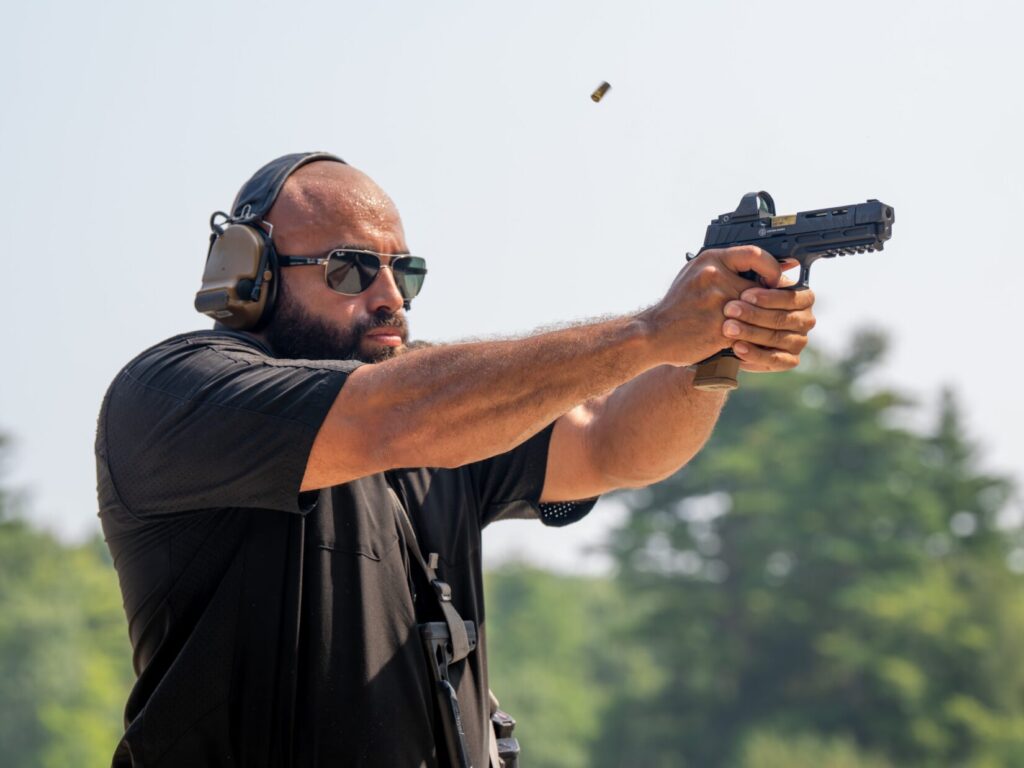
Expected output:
(443, 590)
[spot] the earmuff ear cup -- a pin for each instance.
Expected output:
(239, 279)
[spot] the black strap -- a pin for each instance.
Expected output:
(442, 591)
(256, 197)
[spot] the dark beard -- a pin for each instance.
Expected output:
(295, 334)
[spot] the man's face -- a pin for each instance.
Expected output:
(326, 205)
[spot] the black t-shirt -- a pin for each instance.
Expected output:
(269, 627)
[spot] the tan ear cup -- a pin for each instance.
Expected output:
(232, 272)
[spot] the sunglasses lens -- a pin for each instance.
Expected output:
(352, 272)
(409, 272)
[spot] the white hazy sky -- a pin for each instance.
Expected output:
(123, 125)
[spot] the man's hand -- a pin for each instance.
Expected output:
(767, 328)
(687, 324)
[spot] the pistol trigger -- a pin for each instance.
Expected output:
(805, 277)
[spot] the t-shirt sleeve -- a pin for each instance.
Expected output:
(509, 486)
(193, 425)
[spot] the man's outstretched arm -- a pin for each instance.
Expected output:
(451, 405)
(651, 426)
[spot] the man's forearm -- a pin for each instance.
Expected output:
(651, 426)
(453, 404)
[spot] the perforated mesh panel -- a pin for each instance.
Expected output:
(565, 512)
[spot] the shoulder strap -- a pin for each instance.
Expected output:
(442, 591)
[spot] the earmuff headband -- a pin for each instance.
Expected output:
(257, 196)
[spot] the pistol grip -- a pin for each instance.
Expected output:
(718, 373)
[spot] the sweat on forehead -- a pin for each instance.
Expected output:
(328, 192)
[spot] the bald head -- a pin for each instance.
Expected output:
(327, 204)
(323, 206)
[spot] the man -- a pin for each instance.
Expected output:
(266, 493)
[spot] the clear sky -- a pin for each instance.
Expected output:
(123, 125)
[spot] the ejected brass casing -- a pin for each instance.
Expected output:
(599, 93)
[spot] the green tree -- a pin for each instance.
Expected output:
(823, 568)
(65, 666)
(552, 659)
(764, 749)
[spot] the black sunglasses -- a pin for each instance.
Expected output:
(351, 271)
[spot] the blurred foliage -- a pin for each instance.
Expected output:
(764, 749)
(65, 661)
(824, 585)
(553, 659)
(821, 567)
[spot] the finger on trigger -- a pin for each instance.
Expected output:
(744, 258)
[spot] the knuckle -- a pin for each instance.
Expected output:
(778, 339)
(789, 342)
(752, 314)
(708, 272)
(784, 361)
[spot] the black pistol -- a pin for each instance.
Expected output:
(806, 237)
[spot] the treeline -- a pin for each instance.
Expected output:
(822, 586)
(65, 660)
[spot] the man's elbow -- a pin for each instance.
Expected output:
(624, 482)
(643, 475)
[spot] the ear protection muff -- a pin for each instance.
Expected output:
(239, 282)
(239, 286)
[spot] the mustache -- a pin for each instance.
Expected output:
(385, 320)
